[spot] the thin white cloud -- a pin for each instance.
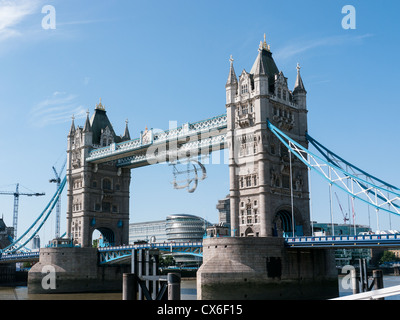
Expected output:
(80, 22)
(297, 47)
(58, 108)
(13, 13)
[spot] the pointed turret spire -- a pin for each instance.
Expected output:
(232, 75)
(87, 127)
(126, 135)
(299, 91)
(72, 130)
(299, 85)
(232, 84)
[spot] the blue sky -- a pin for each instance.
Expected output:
(155, 61)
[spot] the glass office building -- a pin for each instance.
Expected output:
(177, 228)
(185, 227)
(147, 231)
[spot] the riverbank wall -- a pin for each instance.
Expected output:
(67, 270)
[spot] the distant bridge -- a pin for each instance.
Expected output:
(352, 242)
(118, 254)
(122, 254)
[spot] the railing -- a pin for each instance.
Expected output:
(211, 143)
(373, 295)
(117, 254)
(186, 130)
(5, 258)
(156, 245)
(345, 241)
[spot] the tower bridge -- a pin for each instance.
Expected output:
(265, 133)
(99, 161)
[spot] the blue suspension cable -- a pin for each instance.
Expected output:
(52, 203)
(300, 153)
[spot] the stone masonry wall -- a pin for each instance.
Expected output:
(262, 268)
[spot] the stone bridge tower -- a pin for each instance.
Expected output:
(263, 175)
(265, 179)
(98, 194)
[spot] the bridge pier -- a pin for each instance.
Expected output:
(72, 270)
(263, 268)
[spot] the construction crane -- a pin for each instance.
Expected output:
(57, 180)
(345, 218)
(16, 195)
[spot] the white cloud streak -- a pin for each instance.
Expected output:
(13, 13)
(298, 47)
(58, 108)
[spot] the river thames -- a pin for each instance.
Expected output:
(188, 292)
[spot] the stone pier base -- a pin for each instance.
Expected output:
(74, 270)
(263, 268)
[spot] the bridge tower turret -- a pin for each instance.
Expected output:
(299, 91)
(98, 194)
(264, 177)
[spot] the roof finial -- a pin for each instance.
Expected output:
(99, 106)
(265, 42)
(264, 45)
(298, 67)
(231, 59)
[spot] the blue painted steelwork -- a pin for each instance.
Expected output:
(382, 197)
(335, 242)
(28, 235)
(341, 163)
(19, 257)
(121, 254)
(337, 160)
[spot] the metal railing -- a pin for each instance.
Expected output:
(345, 241)
(373, 295)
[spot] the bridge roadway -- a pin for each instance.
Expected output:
(339, 242)
(190, 139)
(122, 254)
(118, 254)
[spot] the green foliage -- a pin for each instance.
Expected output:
(166, 261)
(95, 243)
(388, 256)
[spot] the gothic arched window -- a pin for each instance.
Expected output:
(106, 184)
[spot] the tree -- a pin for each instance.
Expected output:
(388, 256)
(166, 261)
